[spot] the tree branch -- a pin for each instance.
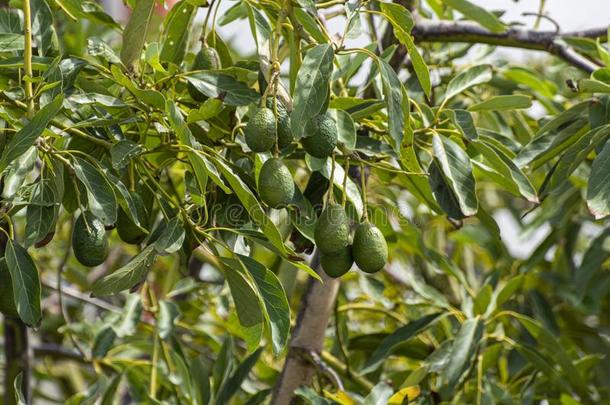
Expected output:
(426, 30)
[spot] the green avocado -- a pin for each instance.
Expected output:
(338, 263)
(370, 248)
(321, 136)
(261, 130)
(89, 241)
(275, 184)
(332, 229)
(284, 132)
(128, 231)
(206, 59)
(7, 300)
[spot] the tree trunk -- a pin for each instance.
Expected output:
(308, 335)
(17, 359)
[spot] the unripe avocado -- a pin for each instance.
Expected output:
(89, 241)
(7, 299)
(128, 231)
(369, 248)
(275, 184)
(261, 130)
(338, 263)
(321, 136)
(284, 131)
(332, 229)
(206, 59)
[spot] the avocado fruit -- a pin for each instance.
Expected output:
(332, 229)
(370, 248)
(284, 131)
(321, 136)
(128, 231)
(338, 263)
(7, 299)
(89, 240)
(275, 184)
(261, 131)
(206, 59)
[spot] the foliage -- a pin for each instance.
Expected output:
(443, 156)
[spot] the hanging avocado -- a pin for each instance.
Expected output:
(370, 248)
(275, 184)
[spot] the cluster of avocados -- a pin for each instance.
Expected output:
(277, 189)
(368, 250)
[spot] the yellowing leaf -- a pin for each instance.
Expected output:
(409, 393)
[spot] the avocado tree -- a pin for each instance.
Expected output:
(323, 218)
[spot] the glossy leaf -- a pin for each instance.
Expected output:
(135, 32)
(503, 103)
(127, 277)
(486, 18)
(219, 85)
(312, 87)
(21, 141)
(468, 78)
(100, 195)
(26, 283)
(598, 191)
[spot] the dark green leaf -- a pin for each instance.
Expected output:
(224, 87)
(468, 78)
(464, 351)
(100, 195)
(22, 140)
(135, 32)
(455, 167)
(26, 283)
(176, 32)
(400, 335)
(470, 10)
(128, 276)
(312, 87)
(598, 190)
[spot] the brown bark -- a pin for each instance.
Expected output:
(17, 359)
(308, 335)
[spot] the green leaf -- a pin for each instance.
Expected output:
(463, 352)
(136, 30)
(11, 42)
(168, 313)
(402, 22)
(43, 31)
(345, 127)
(379, 395)
(172, 237)
(148, 97)
(486, 18)
(497, 103)
(250, 202)
(22, 140)
(518, 182)
(219, 85)
(394, 93)
(598, 190)
(463, 121)
(97, 47)
(176, 32)
(247, 302)
(123, 152)
(592, 262)
(127, 277)
(274, 298)
(233, 384)
(26, 283)
(16, 172)
(312, 87)
(41, 212)
(100, 195)
(352, 190)
(467, 79)
(399, 336)
(453, 164)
